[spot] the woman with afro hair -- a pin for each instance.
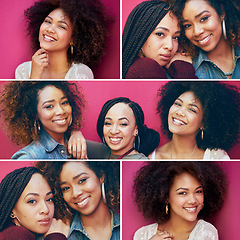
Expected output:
(179, 196)
(68, 37)
(87, 193)
(201, 119)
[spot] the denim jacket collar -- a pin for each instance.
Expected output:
(202, 56)
(78, 226)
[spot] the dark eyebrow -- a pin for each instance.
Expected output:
(186, 189)
(36, 194)
(74, 178)
(123, 118)
(58, 21)
(52, 100)
(197, 16)
(166, 29)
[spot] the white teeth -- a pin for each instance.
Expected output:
(204, 40)
(191, 209)
(49, 38)
(60, 121)
(178, 121)
(83, 202)
(115, 139)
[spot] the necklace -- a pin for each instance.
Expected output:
(233, 57)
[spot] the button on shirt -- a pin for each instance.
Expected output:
(44, 148)
(206, 69)
(77, 230)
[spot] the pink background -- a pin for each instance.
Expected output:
(97, 93)
(226, 221)
(16, 46)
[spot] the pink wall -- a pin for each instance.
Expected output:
(97, 93)
(226, 221)
(16, 47)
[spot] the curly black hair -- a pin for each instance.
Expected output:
(221, 111)
(232, 19)
(19, 100)
(111, 169)
(89, 20)
(149, 138)
(153, 181)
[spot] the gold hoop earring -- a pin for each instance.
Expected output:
(202, 128)
(224, 29)
(71, 48)
(166, 208)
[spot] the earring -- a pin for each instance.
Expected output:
(70, 123)
(37, 127)
(224, 29)
(71, 48)
(201, 128)
(103, 140)
(138, 143)
(167, 208)
(12, 215)
(103, 194)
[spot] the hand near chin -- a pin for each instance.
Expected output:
(39, 62)
(58, 226)
(162, 235)
(77, 146)
(180, 56)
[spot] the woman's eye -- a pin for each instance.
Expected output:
(49, 106)
(50, 200)
(200, 191)
(64, 189)
(47, 21)
(124, 124)
(182, 193)
(176, 38)
(65, 103)
(203, 19)
(62, 27)
(107, 123)
(177, 104)
(160, 34)
(31, 201)
(192, 110)
(82, 180)
(186, 26)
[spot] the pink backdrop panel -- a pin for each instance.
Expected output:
(16, 45)
(8, 166)
(97, 93)
(226, 221)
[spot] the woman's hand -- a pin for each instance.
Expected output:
(180, 56)
(77, 146)
(162, 235)
(39, 62)
(58, 226)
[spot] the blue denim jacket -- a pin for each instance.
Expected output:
(44, 148)
(77, 230)
(206, 69)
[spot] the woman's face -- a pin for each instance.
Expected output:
(185, 197)
(120, 128)
(54, 111)
(185, 115)
(81, 188)
(162, 44)
(55, 33)
(202, 25)
(34, 209)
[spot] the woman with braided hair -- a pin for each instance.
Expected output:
(27, 208)
(121, 127)
(68, 37)
(150, 44)
(88, 194)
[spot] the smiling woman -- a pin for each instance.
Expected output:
(41, 115)
(27, 208)
(179, 196)
(201, 119)
(67, 36)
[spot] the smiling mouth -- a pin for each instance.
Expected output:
(204, 40)
(115, 140)
(49, 38)
(178, 121)
(60, 121)
(83, 202)
(191, 209)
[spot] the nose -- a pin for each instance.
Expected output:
(197, 30)
(192, 199)
(168, 44)
(44, 208)
(59, 110)
(180, 112)
(76, 191)
(114, 129)
(50, 29)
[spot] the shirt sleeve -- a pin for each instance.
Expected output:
(55, 236)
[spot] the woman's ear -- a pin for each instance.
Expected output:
(135, 131)
(102, 178)
(12, 215)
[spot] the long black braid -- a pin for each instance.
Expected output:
(11, 188)
(140, 23)
(149, 138)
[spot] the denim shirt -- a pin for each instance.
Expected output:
(77, 231)
(43, 148)
(206, 69)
